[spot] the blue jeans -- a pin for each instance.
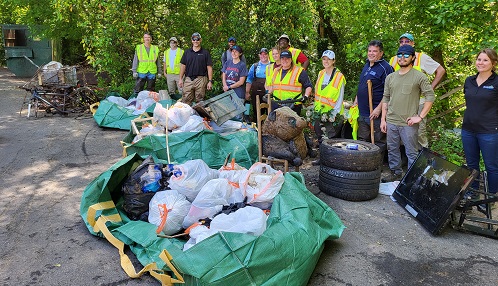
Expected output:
(475, 144)
(395, 135)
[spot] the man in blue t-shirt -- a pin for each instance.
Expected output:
(376, 69)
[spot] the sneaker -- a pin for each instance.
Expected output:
(391, 177)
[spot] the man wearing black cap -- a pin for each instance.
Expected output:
(400, 116)
(427, 65)
(227, 55)
(197, 67)
(256, 78)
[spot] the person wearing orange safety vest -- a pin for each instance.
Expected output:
(289, 81)
(298, 57)
(171, 67)
(426, 64)
(329, 95)
(146, 64)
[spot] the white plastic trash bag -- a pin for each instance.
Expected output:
(198, 234)
(117, 100)
(167, 210)
(262, 183)
(179, 114)
(160, 114)
(194, 124)
(249, 220)
(189, 177)
(211, 198)
(145, 99)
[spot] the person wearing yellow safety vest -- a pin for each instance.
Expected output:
(171, 67)
(329, 95)
(146, 64)
(274, 64)
(288, 83)
(298, 57)
(426, 64)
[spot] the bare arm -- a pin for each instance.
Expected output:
(383, 124)
(182, 73)
(210, 77)
(440, 71)
(417, 118)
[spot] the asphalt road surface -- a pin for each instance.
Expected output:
(46, 163)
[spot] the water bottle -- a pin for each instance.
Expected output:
(151, 179)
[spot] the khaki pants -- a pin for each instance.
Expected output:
(172, 80)
(194, 89)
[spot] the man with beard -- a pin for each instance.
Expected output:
(400, 117)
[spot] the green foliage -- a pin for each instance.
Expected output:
(447, 142)
(451, 31)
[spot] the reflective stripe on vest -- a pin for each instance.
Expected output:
(416, 65)
(326, 98)
(295, 53)
(147, 62)
(288, 87)
(178, 58)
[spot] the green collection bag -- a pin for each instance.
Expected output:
(207, 145)
(111, 115)
(285, 254)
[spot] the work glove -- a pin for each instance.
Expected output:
(135, 75)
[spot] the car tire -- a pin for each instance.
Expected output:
(349, 185)
(334, 153)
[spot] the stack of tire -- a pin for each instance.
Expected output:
(350, 169)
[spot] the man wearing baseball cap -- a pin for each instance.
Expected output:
(298, 57)
(427, 65)
(227, 55)
(329, 95)
(171, 66)
(197, 67)
(289, 81)
(256, 78)
(400, 115)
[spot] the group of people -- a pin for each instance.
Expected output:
(400, 92)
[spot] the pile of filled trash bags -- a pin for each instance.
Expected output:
(181, 117)
(193, 199)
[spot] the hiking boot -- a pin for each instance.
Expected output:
(391, 177)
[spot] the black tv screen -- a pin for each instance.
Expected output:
(432, 188)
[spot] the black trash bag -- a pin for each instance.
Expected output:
(136, 202)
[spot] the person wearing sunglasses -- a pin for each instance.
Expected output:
(400, 117)
(427, 65)
(196, 72)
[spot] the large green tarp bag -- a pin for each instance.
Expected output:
(285, 254)
(112, 115)
(207, 145)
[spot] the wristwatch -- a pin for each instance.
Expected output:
(211, 81)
